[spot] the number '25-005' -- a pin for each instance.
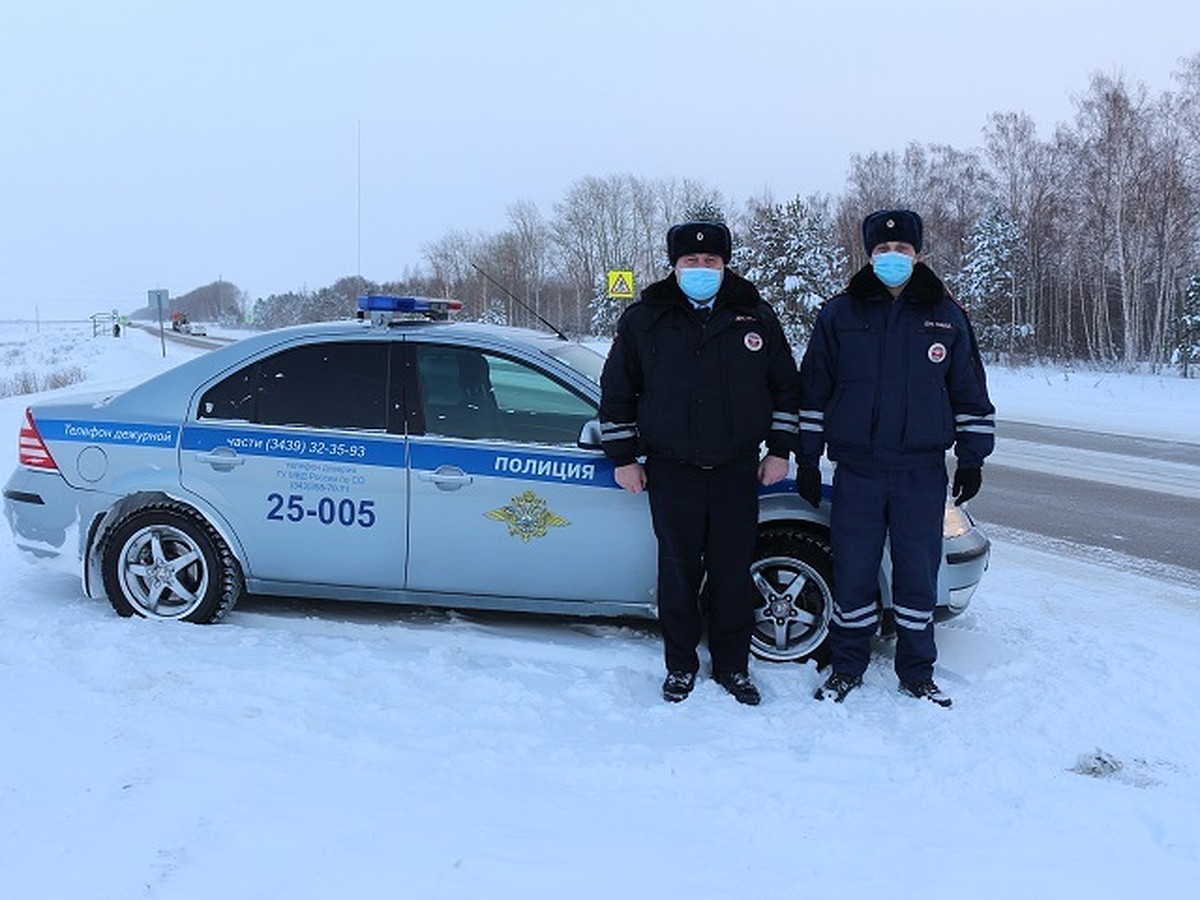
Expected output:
(326, 510)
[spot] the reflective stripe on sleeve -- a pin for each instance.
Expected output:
(789, 423)
(618, 431)
(975, 424)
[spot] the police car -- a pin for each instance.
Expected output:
(399, 458)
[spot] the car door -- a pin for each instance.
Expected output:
(504, 502)
(294, 452)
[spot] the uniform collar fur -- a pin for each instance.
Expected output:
(922, 287)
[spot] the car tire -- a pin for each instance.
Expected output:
(166, 562)
(793, 574)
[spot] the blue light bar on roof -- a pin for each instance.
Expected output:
(392, 303)
(380, 305)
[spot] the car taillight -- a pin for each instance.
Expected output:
(33, 450)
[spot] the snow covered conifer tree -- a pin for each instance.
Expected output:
(703, 211)
(987, 284)
(605, 309)
(1186, 350)
(792, 256)
(495, 311)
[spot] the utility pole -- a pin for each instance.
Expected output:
(358, 250)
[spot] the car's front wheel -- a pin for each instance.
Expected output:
(165, 562)
(793, 573)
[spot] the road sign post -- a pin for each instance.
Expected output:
(159, 296)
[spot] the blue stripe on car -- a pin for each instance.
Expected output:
(88, 432)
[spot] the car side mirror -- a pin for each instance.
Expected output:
(589, 435)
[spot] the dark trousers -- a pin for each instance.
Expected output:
(706, 522)
(870, 505)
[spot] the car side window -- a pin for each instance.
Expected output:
(330, 385)
(467, 393)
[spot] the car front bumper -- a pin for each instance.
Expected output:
(966, 559)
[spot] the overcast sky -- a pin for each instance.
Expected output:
(163, 144)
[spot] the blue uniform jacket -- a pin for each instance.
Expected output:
(894, 382)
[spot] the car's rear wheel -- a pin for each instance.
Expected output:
(793, 572)
(166, 562)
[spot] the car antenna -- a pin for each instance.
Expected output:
(513, 296)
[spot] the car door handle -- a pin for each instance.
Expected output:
(221, 457)
(448, 478)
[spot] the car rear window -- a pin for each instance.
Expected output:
(331, 385)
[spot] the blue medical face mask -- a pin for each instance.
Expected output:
(892, 268)
(700, 284)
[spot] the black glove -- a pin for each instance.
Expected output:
(808, 484)
(966, 484)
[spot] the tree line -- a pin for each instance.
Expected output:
(1081, 246)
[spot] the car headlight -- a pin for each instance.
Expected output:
(956, 522)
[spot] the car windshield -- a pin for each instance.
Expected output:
(584, 360)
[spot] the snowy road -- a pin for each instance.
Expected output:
(1096, 492)
(1175, 479)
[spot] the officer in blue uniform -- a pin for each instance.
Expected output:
(698, 377)
(891, 380)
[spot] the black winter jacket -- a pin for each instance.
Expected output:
(894, 382)
(694, 392)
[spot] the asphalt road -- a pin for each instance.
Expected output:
(208, 342)
(1136, 500)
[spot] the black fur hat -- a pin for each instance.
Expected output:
(892, 225)
(699, 237)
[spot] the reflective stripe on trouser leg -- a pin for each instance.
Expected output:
(917, 503)
(857, 530)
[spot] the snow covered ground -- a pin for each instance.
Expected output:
(316, 751)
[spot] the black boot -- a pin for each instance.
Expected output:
(926, 690)
(836, 687)
(740, 685)
(678, 685)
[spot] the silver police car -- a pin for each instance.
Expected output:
(401, 458)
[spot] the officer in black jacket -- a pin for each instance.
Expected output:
(891, 380)
(698, 376)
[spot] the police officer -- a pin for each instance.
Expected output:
(698, 376)
(891, 379)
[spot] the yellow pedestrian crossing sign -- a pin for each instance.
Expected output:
(620, 284)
